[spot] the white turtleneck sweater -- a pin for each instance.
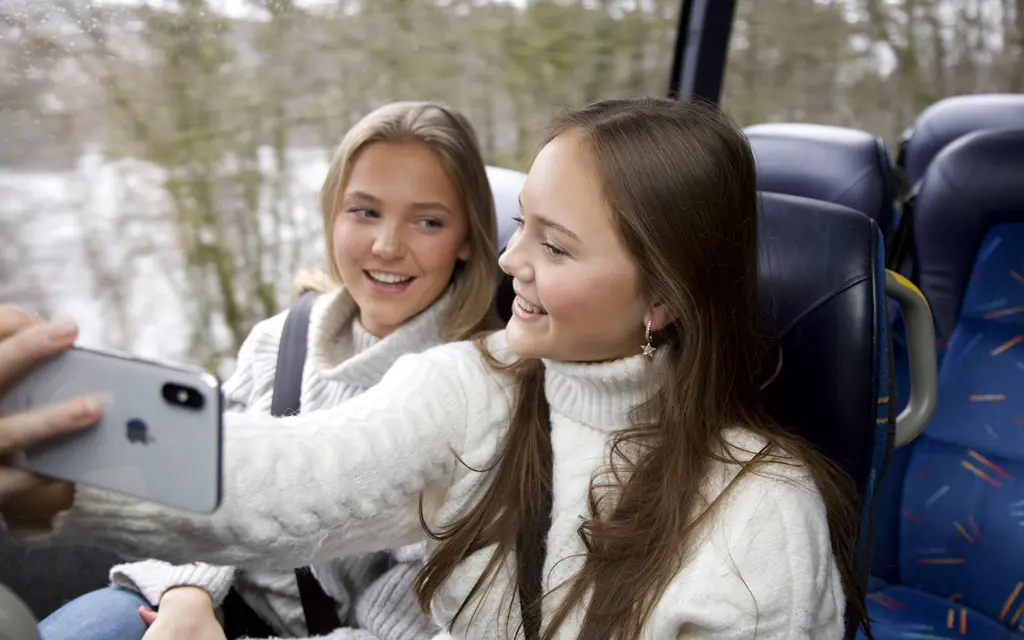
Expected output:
(348, 480)
(342, 361)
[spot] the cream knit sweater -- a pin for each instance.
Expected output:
(348, 480)
(342, 361)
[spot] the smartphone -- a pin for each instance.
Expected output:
(159, 438)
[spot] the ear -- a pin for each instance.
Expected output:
(465, 252)
(659, 317)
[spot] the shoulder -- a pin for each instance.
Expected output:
(775, 497)
(476, 365)
(264, 340)
(766, 561)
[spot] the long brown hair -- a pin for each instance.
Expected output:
(679, 178)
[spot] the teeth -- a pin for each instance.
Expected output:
(388, 278)
(526, 306)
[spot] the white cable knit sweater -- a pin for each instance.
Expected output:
(342, 361)
(348, 480)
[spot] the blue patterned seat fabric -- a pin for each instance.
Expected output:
(961, 515)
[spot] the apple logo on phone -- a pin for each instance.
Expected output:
(138, 431)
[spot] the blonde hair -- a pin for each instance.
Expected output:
(451, 137)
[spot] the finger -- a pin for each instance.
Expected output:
(13, 319)
(15, 481)
(31, 345)
(148, 615)
(22, 430)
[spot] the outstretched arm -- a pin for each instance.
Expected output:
(153, 578)
(310, 488)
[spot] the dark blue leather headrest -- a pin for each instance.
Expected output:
(973, 185)
(948, 119)
(821, 293)
(823, 296)
(834, 164)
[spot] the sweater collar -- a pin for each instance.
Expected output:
(601, 395)
(343, 351)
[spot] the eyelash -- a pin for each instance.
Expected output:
(431, 223)
(551, 249)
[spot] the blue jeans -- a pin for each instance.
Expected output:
(105, 614)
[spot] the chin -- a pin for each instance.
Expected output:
(524, 346)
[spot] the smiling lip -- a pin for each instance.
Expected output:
(387, 282)
(523, 314)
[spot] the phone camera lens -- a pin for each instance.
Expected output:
(182, 396)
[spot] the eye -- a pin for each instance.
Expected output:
(519, 221)
(361, 212)
(554, 250)
(430, 223)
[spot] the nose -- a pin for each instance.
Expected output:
(388, 243)
(514, 263)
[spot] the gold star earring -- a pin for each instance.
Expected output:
(648, 348)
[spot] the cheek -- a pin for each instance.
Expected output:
(349, 243)
(439, 253)
(591, 303)
(565, 298)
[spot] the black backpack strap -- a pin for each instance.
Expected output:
(240, 621)
(291, 357)
(319, 609)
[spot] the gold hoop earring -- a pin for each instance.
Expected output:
(648, 348)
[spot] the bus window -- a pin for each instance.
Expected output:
(868, 64)
(188, 138)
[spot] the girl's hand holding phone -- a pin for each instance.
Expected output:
(26, 342)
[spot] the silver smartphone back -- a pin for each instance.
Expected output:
(159, 438)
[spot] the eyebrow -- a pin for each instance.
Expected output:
(422, 206)
(550, 223)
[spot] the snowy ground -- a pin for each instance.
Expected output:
(120, 206)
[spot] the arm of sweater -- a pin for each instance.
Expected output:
(152, 578)
(310, 488)
(777, 575)
(337, 634)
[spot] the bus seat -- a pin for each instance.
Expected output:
(506, 185)
(834, 164)
(824, 289)
(48, 578)
(851, 168)
(948, 119)
(823, 297)
(961, 516)
(936, 127)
